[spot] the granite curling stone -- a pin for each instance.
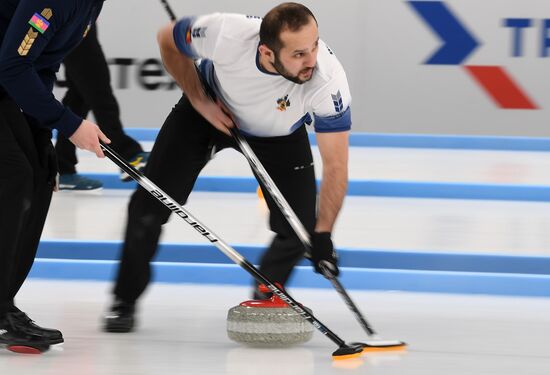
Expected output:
(267, 323)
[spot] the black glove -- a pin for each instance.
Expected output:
(323, 253)
(50, 159)
(47, 156)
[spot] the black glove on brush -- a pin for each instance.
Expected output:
(323, 253)
(46, 153)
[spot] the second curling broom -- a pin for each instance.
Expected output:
(375, 343)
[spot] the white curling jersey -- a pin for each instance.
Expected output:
(264, 104)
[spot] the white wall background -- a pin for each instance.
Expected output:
(383, 45)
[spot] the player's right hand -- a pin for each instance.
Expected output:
(215, 113)
(323, 254)
(87, 137)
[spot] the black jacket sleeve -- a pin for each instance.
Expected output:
(21, 79)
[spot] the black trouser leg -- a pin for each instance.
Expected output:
(28, 243)
(88, 73)
(45, 172)
(180, 152)
(289, 162)
(25, 195)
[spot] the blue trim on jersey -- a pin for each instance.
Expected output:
(206, 70)
(305, 120)
(340, 122)
(180, 35)
(260, 67)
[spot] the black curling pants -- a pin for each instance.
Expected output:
(27, 162)
(89, 88)
(181, 150)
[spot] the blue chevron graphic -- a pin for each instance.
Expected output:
(337, 101)
(458, 41)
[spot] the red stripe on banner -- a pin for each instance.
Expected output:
(501, 87)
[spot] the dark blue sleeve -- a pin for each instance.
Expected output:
(337, 123)
(18, 74)
(182, 36)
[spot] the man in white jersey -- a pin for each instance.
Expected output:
(270, 77)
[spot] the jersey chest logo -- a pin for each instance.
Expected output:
(283, 103)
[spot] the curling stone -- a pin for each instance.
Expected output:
(267, 323)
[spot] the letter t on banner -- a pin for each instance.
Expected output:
(517, 24)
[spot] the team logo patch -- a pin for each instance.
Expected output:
(188, 36)
(283, 103)
(38, 22)
(337, 101)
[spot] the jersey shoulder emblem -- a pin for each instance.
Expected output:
(38, 22)
(337, 101)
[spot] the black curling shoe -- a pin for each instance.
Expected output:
(15, 335)
(120, 318)
(51, 336)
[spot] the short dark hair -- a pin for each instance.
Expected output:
(286, 16)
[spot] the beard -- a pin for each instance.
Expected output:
(280, 68)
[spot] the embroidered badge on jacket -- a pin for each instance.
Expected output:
(38, 22)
